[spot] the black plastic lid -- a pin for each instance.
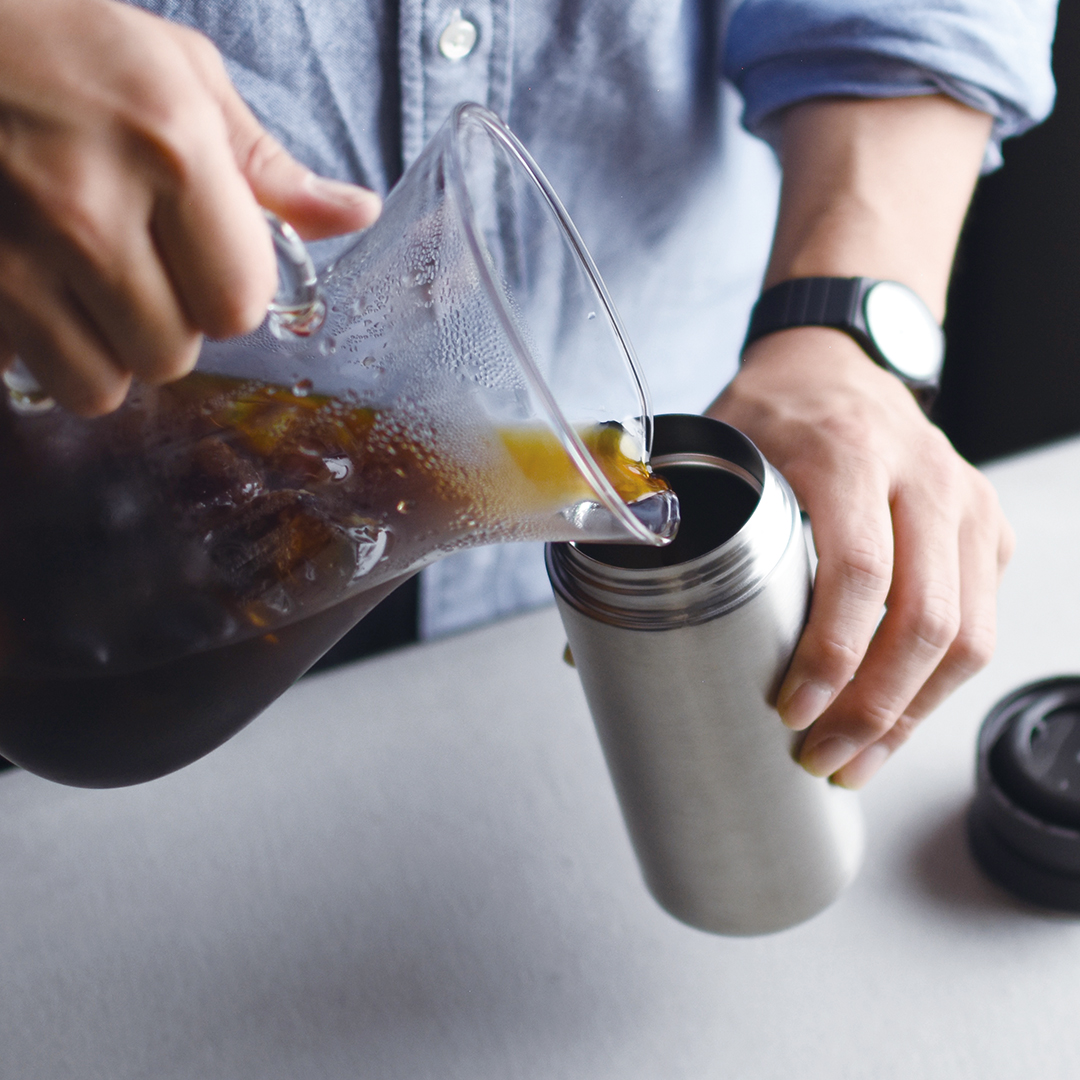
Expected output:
(1024, 825)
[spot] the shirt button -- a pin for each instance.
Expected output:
(459, 37)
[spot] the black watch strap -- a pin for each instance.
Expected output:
(813, 301)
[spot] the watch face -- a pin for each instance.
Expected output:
(904, 330)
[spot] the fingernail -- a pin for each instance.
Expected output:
(801, 708)
(341, 194)
(862, 767)
(827, 756)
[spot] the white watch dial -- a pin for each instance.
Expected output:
(903, 328)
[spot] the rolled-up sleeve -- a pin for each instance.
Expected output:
(991, 54)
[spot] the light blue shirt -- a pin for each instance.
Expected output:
(642, 113)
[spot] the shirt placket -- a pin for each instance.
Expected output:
(451, 51)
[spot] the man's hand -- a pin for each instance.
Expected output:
(899, 520)
(873, 188)
(131, 175)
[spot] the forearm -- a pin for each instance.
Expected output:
(877, 188)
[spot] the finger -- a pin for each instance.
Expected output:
(132, 302)
(315, 206)
(100, 255)
(58, 342)
(209, 226)
(921, 623)
(984, 536)
(91, 235)
(853, 536)
(209, 231)
(213, 240)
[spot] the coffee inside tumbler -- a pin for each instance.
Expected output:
(716, 500)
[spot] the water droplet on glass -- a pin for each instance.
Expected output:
(277, 599)
(592, 315)
(370, 546)
(302, 387)
(328, 346)
(339, 467)
(405, 506)
(368, 361)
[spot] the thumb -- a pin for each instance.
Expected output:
(314, 205)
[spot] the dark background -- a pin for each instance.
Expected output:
(1012, 372)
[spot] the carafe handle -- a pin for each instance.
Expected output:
(296, 310)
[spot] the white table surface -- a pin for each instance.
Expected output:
(415, 868)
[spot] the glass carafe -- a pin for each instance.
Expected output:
(457, 377)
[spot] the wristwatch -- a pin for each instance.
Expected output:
(889, 321)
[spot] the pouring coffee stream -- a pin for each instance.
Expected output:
(457, 377)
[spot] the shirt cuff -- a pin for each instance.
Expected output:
(774, 85)
(994, 58)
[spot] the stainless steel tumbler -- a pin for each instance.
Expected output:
(681, 651)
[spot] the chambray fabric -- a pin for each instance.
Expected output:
(991, 54)
(632, 108)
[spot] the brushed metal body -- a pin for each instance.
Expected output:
(680, 666)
